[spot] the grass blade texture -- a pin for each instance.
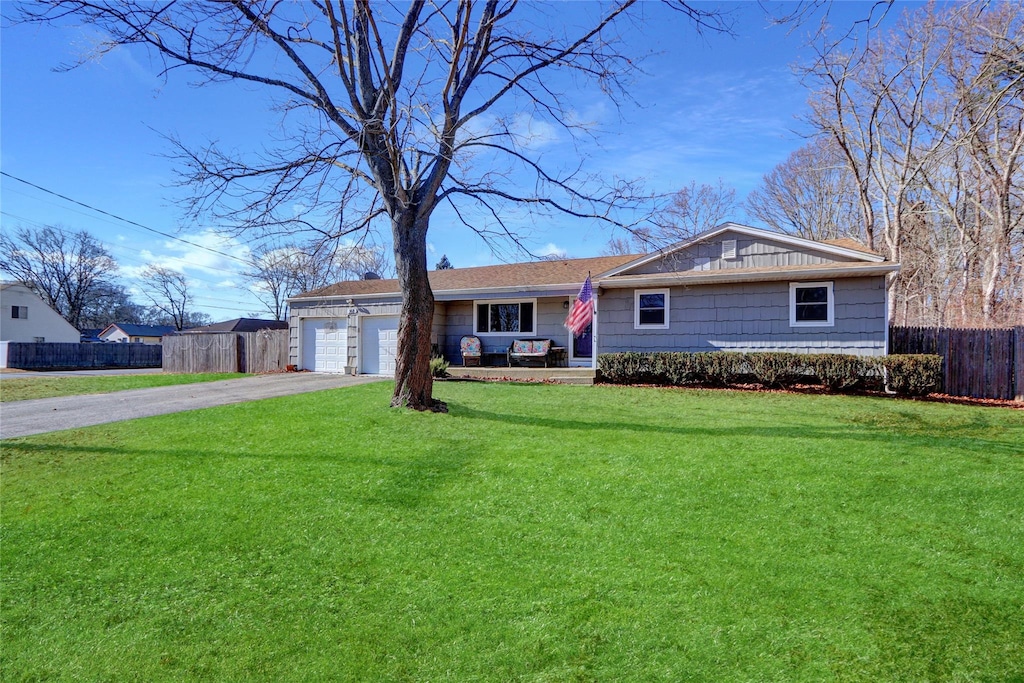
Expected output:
(535, 533)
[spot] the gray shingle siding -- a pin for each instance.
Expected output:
(459, 322)
(748, 317)
(750, 252)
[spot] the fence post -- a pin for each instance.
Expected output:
(1018, 362)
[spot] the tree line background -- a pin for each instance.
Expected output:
(915, 150)
(77, 276)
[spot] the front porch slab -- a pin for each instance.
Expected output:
(561, 375)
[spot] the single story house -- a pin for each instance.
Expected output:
(238, 325)
(135, 334)
(25, 317)
(731, 288)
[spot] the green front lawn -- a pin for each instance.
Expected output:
(536, 532)
(15, 388)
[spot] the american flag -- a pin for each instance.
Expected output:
(582, 312)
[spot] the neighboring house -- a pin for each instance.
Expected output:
(135, 334)
(731, 288)
(25, 317)
(239, 325)
(91, 335)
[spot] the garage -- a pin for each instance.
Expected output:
(324, 344)
(378, 344)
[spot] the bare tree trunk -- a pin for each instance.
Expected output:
(413, 381)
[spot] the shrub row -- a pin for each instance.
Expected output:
(905, 374)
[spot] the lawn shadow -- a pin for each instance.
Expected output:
(407, 480)
(413, 479)
(846, 430)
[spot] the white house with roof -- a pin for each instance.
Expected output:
(25, 317)
(124, 333)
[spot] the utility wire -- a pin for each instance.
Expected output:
(115, 247)
(123, 220)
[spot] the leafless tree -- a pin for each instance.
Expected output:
(70, 271)
(418, 102)
(928, 119)
(619, 246)
(279, 272)
(111, 304)
(988, 80)
(811, 194)
(272, 279)
(169, 292)
(692, 210)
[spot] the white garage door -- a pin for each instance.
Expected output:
(324, 344)
(378, 344)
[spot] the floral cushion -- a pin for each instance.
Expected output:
(470, 346)
(521, 347)
(534, 347)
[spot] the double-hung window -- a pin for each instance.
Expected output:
(19, 312)
(811, 304)
(650, 308)
(505, 317)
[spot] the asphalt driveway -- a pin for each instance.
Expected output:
(24, 418)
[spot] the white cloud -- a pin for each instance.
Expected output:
(552, 249)
(531, 133)
(198, 255)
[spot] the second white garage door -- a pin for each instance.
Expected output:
(378, 345)
(324, 344)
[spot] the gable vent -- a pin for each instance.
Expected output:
(729, 249)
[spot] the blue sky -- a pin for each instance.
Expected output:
(706, 108)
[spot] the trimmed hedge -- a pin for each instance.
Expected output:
(905, 374)
(913, 374)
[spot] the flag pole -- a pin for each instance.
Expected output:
(593, 331)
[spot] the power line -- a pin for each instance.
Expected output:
(115, 247)
(123, 220)
(240, 305)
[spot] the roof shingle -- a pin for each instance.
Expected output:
(535, 273)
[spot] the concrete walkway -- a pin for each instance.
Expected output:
(24, 418)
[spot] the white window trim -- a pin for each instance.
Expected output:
(636, 309)
(478, 302)
(831, 305)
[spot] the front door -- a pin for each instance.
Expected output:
(583, 345)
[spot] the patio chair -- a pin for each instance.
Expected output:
(471, 349)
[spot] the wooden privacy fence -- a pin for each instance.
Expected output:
(255, 352)
(976, 363)
(54, 355)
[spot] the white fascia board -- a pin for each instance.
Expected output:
(483, 292)
(737, 275)
(791, 240)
